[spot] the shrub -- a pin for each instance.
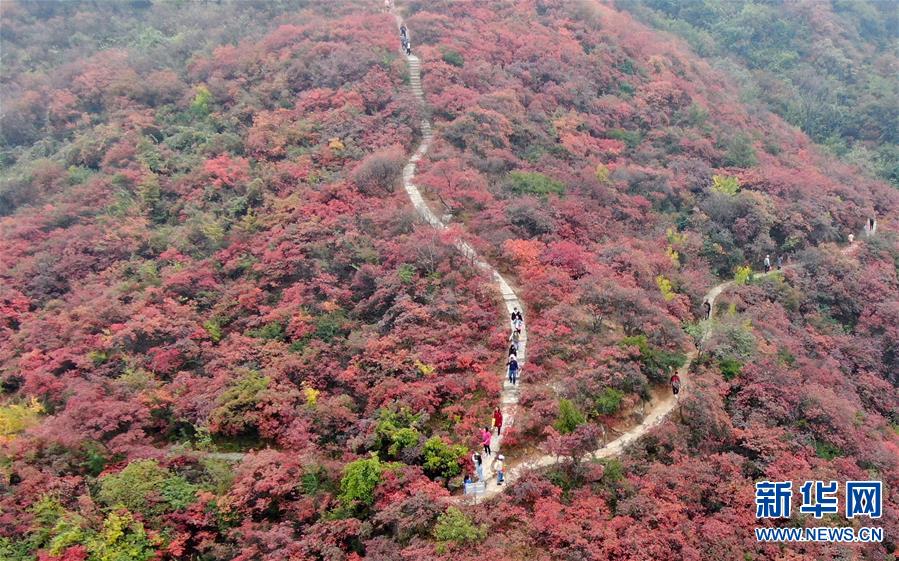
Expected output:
(453, 526)
(18, 417)
(740, 152)
(730, 368)
(442, 459)
(569, 417)
(725, 185)
(379, 172)
(146, 487)
(630, 138)
(742, 275)
(533, 183)
(453, 57)
(359, 481)
(609, 401)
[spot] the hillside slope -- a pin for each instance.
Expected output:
(227, 335)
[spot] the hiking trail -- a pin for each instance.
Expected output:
(659, 408)
(509, 394)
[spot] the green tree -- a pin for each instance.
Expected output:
(359, 481)
(406, 272)
(122, 539)
(609, 401)
(631, 138)
(401, 439)
(202, 102)
(569, 417)
(397, 430)
(146, 487)
(730, 367)
(740, 152)
(533, 183)
(243, 396)
(453, 57)
(442, 459)
(665, 287)
(658, 363)
(454, 527)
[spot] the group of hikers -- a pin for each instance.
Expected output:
(486, 437)
(780, 262)
(514, 346)
(513, 369)
(404, 37)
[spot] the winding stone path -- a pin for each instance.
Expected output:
(509, 394)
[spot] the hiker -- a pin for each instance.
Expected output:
(497, 420)
(478, 465)
(708, 309)
(780, 262)
(403, 31)
(515, 338)
(512, 350)
(512, 363)
(408, 48)
(485, 440)
(675, 384)
(851, 238)
(871, 227)
(767, 263)
(500, 469)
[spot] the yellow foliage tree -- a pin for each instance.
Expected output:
(725, 184)
(17, 417)
(602, 173)
(742, 275)
(666, 288)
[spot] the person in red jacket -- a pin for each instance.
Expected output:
(675, 384)
(497, 419)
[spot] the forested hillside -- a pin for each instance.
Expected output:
(827, 67)
(225, 333)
